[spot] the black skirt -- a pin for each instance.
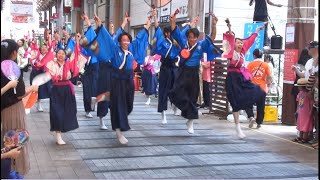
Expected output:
(63, 109)
(121, 99)
(44, 90)
(149, 82)
(242, 93)
(167, 75)
(104, 85)
(104, 77)
(89, 80)
(185, 92)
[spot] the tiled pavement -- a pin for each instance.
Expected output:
(166, 151)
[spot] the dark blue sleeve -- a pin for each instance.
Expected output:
(70, 46)
(139, 45)
(208, 47)
(180, 36)
(158, 38)
(106, 45)
(90, 34)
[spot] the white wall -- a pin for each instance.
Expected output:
(18, 29)
(139, 10)
(239, 12)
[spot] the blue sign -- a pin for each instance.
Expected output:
(250, 28)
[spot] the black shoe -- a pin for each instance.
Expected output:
(258, 126)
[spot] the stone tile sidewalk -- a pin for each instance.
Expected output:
(166, 151)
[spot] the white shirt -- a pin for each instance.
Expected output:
(271, 68)
(310, 68)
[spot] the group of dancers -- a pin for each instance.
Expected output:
(103, 62)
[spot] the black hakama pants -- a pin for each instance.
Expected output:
(185, 92)
(149, 82)
(89, 81)
(167, 75)
(63, 109)
(121, 98)
(241, 93)
(104, 85)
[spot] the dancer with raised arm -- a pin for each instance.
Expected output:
(186, 86)
(103, 81)
(36, 56)
(122, 51)
(63, 107)
(241, 92)
(169, 50)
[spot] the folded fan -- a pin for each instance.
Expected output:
(41, 79)
(30, 100)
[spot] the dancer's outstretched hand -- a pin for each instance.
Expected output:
(173, 18)
(127, 17)
(260, 28)
(154, 13)
(214, 20)
(148, 24)
(86, 19)
(194, 21)
(97, 20)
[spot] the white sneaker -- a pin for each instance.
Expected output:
(251, 122)
(148, 101)
(60, 141)
(27, 111)
(190, 126)
(39, 108)
(93, 102)
(240, 134)
(176, 111)
(164, 117)
(103, 127)
(121, 138)
(89, 115)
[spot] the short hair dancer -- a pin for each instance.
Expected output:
(241, 92)
(186, 86)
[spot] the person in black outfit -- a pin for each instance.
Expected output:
(261, 14)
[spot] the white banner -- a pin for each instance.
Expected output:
(21, 8)
(67, 3)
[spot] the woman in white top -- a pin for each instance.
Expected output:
(312, 64)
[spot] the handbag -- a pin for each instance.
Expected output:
(246, 74)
